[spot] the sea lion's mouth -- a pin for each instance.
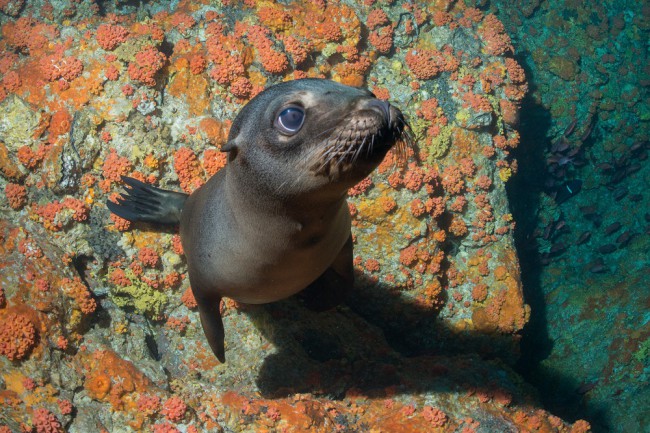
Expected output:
(364, 137)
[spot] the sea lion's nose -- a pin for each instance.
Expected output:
(382, 106)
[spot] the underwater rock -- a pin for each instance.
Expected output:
(438, 283)
(15, 111)
(18, 122)
(76, 154)
(84, 140)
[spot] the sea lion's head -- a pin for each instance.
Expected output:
(311, 134)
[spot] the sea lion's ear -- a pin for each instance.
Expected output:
(230, 145)
(232, 149)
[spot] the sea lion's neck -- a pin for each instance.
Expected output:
(251, 196)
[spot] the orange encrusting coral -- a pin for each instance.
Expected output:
(114, 168)
(77, 290)
(188, 169)
(45, 421)
(17, 335)
(427, 63)
(495, 39)
(16, 195)
(110, 36)
(431, 204)
(146, 65)
(174, 409)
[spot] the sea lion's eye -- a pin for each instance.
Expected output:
(290, 120)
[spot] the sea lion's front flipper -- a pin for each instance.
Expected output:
(212, 324)
(144, 202)
(331, 288)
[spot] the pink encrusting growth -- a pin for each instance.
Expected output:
(54, 67)
(16, 195)
(45, 421)
(146, 65)
(174, 409)
(110, 36)
(17, 336)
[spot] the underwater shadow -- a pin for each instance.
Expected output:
(368, 346)
(524, 189)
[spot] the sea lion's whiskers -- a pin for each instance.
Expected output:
(334, 148)
(403, 142)
(372, 145)
(359, 149)
(327, 155)
(337, 146)
(362, 145)
(344, 148)
(322, 150)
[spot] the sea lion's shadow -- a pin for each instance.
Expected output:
(367, 345)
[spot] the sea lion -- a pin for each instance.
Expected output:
(275, 220)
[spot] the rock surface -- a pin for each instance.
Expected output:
(109, 338)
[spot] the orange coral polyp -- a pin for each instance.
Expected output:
(148, 404)
(46, 422)
(77, 290)
(98, 386)
(16, 195)
(382, 39)
(17, 336)
(60, 123)
(79, 210)
(198, 64)
(496, 41)
(110, 36)
(376, 18)
(188, 169)
(423, 63)
(120, 223)
(174, 409)
(275, 18)
(145, 66)
(115, 166)
(148, 257)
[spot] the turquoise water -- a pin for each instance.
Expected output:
(584, 263)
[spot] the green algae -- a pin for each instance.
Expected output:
(15, 111)
(643, 354)
(439, 144)
(139, 296)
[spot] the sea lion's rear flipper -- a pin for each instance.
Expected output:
(331, 288)
(147, 203)
(212, 323)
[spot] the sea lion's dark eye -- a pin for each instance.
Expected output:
(290, 120)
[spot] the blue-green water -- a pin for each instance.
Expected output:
(584, 263)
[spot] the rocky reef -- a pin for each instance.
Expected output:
(98, 329)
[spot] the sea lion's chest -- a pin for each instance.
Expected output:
(258, 258)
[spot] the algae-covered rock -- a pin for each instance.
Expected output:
(18, 122)
(139, 296)
(437, 278)
(76, 154)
